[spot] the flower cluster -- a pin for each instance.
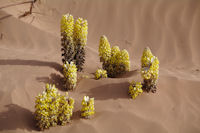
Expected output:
(67, 27)
(52, 108)
(100, 73)
(104, 49)
(80, 31)
(149, 70)
(70, 75)
(135, 89)
(114, 51)
(87, 107)
(122, 59)
(74, 39)
(65, 109)
(115, 62)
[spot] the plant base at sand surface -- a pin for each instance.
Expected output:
(149, 70)
(115, 61)
(135, 89)
(70, 75)
(52, 109)
(149, 85)
(87, 107)
(100, 73)
(73, 40)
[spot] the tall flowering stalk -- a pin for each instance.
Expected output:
(67, 42)
(80, 40)
(74, 40)
(70, 75)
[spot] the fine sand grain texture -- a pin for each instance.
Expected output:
(30, 57)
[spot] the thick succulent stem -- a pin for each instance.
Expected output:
(80, 57)
(67, 50)
(149, 86)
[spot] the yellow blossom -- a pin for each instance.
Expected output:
(100, 73)
(87, 107)
(135, 89)
(104, 49)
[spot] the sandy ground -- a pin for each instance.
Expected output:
(30, 58)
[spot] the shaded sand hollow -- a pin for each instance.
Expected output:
(30, 57)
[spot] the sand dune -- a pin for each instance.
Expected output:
(30, 57)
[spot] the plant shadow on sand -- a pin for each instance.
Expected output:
(76, 115)
(129, 74)
(109, 91)
(17, 117)
(54, 78)
(53, 65)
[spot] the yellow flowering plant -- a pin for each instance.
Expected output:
(135, 89)
(52, 109)
(65, 109)
(67, 30)
(149, 70)
(100, 73)
(87, 107)
(74, 40)
(115, 62)
(104, 49)
(70, 75)
(80, 32)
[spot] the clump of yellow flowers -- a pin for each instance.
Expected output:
(115, 61)
(87, 107)
(100, 73)
(67, 27)
(70, 75)
(52, 108)
(80, 31)
(135, 89)
(65, 109)
(104, 49)
(149, 70)
(74, 40)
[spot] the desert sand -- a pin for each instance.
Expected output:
(30, 57)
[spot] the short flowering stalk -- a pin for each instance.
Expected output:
(87, 107)
(65, 109)
(100, 73)
(70, 75)
(149, 70)
(135, 89)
